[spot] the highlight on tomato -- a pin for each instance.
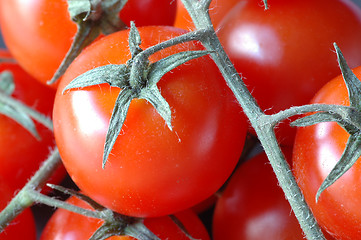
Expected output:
(23, 226)
(253, 206)
(317, 150)
(39, 33)
(151, 170)
(21, 151)
(285, 54)
(72, 226)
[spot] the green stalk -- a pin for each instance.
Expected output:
(24, 198)
(261, 122)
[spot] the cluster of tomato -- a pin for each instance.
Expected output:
(285, 56)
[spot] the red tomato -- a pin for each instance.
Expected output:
(23, 226)
(21, 153)
(39, 32)
(151, 170)
(218, 9)
(66, 225)
(253, 206)
(317, 150)
(285, 54)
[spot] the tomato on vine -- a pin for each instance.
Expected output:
(317, 150)
(72, 226)
(151, 170)
(39, 33)
(285, 54)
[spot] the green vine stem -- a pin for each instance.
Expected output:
(198, 10)
(25, 198)
(298, 110)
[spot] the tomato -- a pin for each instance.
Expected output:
(218, 9)
(39, 32)
(317, 150)
(151, 170)
(23, 226)
(71, 226)
(21, 153)
(285, 54)
(253, 206)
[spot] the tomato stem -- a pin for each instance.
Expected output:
(25, 197)
(299, 110)
(258, 119)
(41, 198)
(92, 18)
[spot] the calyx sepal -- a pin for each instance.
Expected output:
(7, 87)
(137, 79)
(348, 117)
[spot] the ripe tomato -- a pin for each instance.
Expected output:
(39, 32)
(317, 150)
(23, 226)
(71, 226)
(285, 54)
(218, 9)
(21, 153)
(151, 170)
(253, 206)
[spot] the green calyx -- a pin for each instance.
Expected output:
(92, 17)
(348, 117)
(137, 79)
(14, 111)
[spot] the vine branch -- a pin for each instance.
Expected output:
(259, 120)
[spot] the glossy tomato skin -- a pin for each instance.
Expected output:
(285, 54)
(151, 171)
(149, 12)
(317, 150)
(218, 9)
(253, 206)
(66, 225)
(21, 153)
(23, 226)
(40, 32)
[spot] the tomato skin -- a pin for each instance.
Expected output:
(218, 9)
(66, 225)
(21, 153)
(253, 206)
(285, 54)
(151, 170)
(23, 226)
(42, 36)
(162, 12)
(317, 150)
(39, 33)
